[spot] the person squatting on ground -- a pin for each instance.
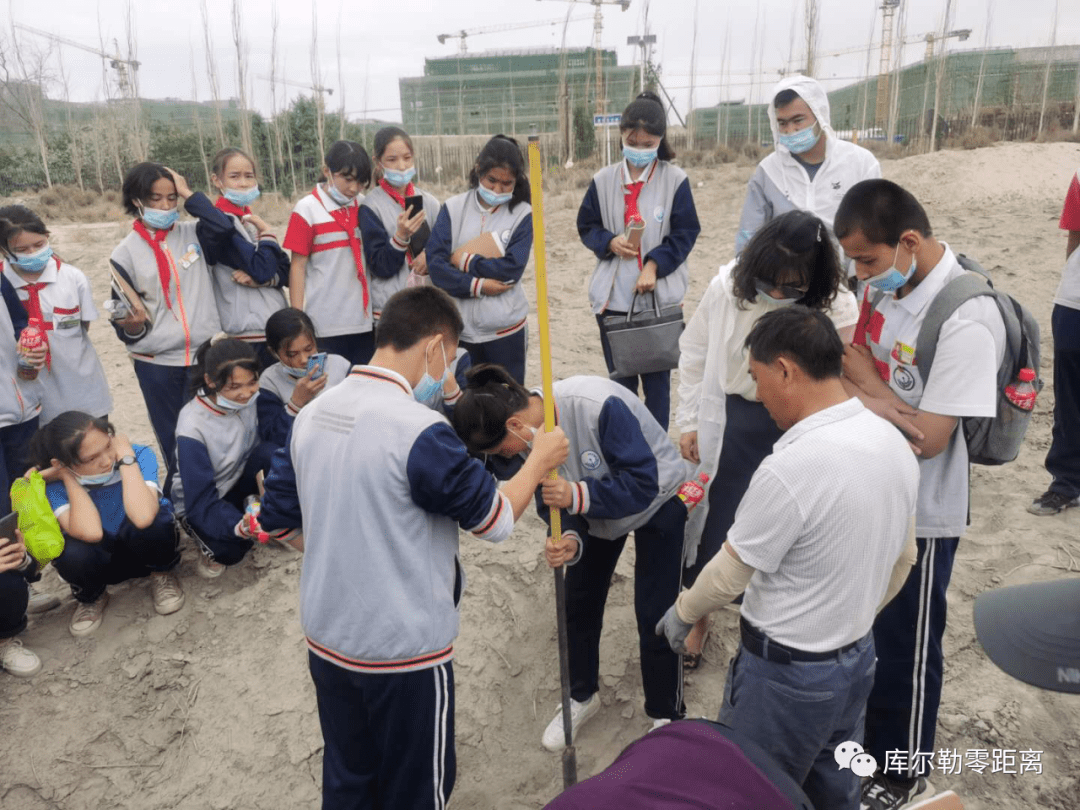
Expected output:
(383, 484)
(621, 476)
(643, 188)
(723, 426)
(816, 544)
(883, 228)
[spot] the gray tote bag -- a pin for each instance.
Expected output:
(646, 341)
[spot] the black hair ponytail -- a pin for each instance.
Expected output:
(647, 112)
(62, 437)
(503, 152)
(491, 397)
(217, 361)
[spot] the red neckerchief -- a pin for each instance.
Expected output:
(223, 204)
(32, 305)
(631, 194)
(162, 260)
(400, 200)
(346, 218)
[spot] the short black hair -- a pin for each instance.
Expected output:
(647, 112)
(491, 397)
(62, 437)
(349, 159)
(287, 324)
(882, 210)
(783, 98)
(15, 219)
(805, 336)
(793, 249)
(217, 361)
(416, 313)
(139, 182)
(503, 152)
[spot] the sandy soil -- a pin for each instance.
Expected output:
(213, 707)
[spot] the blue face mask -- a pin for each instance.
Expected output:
(399, 179)
(892, 279)
(160, 220)
(298, 373)
(336, 195)
(34, 262)
(802, 141)
(95, 480)
(429, 391)
(232, 405)
(491, 198)
(639, 157)
(241, 198)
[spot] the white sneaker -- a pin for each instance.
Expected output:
(554, 738)
(660, 723)
(41, 602)
(167, 593)
(87, 616)
(18, 660)
(208, 567)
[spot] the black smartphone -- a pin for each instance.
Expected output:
(414, 204)
(8, 525)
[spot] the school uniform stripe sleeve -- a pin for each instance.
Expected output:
(281, 500)
(445, 480)
(214, 230)
(509, 268)
(274, 417)
(443, 273)
(685, 227)
(757, 210)
(633, 482)
(299, 236)
(202, 503)
(382, 256)
(265, 262)
(590, 225)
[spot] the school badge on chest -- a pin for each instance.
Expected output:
(590, 460)
(658, 214)
(903, 378)
(191, 255)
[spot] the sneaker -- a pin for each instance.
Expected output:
(18, 660)
(1050, 503)
(88, 615)
(167, 593)
(660, 723)
(554, 738)
(208, 567)
(881, 793)
(41, 602)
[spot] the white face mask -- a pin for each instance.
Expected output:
(529, 441)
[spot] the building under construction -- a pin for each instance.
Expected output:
(1016, 93)
(515, 92)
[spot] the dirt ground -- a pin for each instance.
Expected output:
(212, 707)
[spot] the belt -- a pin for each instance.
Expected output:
(762, 646)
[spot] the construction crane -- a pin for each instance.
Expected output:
(118, 63)
(959, 33)
(881, 108)
(316, 88)
(464, 34)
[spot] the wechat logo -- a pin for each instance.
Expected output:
(851, 755)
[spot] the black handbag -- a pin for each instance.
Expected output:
(646, 341)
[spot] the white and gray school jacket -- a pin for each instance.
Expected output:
(175, 332)
(243, 310)
(383, 483)
(275, 408)
(611, 286)
(461, 219)
(20, 400)
(622, 464)
(381, 253)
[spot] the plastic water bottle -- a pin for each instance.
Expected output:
(691, 492)
(1022, 393)
(31, 339)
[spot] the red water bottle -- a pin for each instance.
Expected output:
(1022, 393)
(31, 339)
(691, 492)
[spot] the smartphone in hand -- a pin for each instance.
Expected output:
(8, 525)
(317, 362)
(414, 204)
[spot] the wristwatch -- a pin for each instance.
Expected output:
(127, 461)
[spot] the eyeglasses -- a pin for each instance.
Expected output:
(783, 289)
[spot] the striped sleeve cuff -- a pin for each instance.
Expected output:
(499, 521)
(268, 236)
(580, 548)
(579, 498)
(476, 288)
(398, 244)
(453, 398)
(291, 409)
(466, 259)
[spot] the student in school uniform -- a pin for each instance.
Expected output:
(486, 289)
(17, 570)
(250, 273)
(117, 526)
(220, 449)
(327, 276)
(385, 225)
(646, 189)
(20, 399)
(167, 264)
(810, 168)
(900, 263)
(383, 485)
(621, 476)
(724, 428)
(287, 385)
(59, 296)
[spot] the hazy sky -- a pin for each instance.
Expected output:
(382, 41)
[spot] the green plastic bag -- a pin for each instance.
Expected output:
(41, 533)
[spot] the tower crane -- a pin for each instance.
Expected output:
(881, 107)
(118, 63)
(318, 89)
(464, 34)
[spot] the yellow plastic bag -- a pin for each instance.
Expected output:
(41, 533)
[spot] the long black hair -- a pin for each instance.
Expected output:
(795, 250)
(491, 396)
(62, 437)
(217, 361)
(647, 112)
(503, 152)
(16, 218)
(286, 325)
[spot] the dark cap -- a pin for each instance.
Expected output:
(1032, 632)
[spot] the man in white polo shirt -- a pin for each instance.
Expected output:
(820, 541)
